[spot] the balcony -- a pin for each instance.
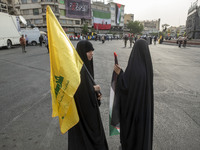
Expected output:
(49, 2)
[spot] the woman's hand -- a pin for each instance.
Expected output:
(97, 89)
(99, 95)
(117, 69)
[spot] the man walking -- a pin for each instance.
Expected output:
(125, 40)
(41, 40)
(22, 41)
(131, 41)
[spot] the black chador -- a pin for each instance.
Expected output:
(88, 134)
(135, 89)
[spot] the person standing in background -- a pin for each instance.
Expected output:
(46, 43)
(125, 40)
(22, 41)
(26, 37)
(41, 40)
(131, 41)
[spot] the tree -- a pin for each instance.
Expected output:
(135, 27)
(85, 29)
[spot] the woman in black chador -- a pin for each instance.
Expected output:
(88, 134)
(135, 91)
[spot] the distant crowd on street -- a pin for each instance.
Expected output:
(133, 38)
(43, 39)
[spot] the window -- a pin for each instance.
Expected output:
(77, 22)
(26, 12)
(34, 1)
(69, 21)
(62, 12)
(37, 21)
(63, 21)
(35, 11)
(24, 1)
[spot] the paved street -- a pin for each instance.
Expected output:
(25, 100)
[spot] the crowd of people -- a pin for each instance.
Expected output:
(132, 39)
(43, 39)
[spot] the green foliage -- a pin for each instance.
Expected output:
(93, 30)
(85, 29)
(135, 27)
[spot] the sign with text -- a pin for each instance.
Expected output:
(78, 9)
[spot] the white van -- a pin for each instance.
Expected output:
(9, 30)
(33, 35)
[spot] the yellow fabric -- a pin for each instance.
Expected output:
(65, 65)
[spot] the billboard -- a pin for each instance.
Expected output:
(80, 9)
(101, 20)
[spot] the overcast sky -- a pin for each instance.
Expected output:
(172, 12)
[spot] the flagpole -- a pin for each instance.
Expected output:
(89, 74)
(97, 92)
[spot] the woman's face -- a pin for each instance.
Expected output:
(89, 55)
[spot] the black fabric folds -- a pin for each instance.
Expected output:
(135, 89)
(88, 134)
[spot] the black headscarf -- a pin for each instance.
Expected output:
(82, 48)
(135, 87)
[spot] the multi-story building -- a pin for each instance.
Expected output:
(152, 26)
(117, 17)
(172, 31)
(4, 6)
(181, 30)
(176, 31)
(193, 21)
(34, 11)
(72, 14)
(127, 19)
(101, 17)
(110, 17)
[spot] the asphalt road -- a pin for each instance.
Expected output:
(25, 100)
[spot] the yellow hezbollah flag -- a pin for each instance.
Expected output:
(65, 65)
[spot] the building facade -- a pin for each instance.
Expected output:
(128, 18)
(4, 6)
(176, 31)
(117, 17)
(193, 22)
(101, 17)
(34, 11)
(73, 14)
(151, 26)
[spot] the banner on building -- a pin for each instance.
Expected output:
(101, 20)
(118, 13)
(78, 9)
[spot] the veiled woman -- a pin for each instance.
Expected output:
(88, 134)
(135, 91)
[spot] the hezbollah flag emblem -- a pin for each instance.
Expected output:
(65, 65)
